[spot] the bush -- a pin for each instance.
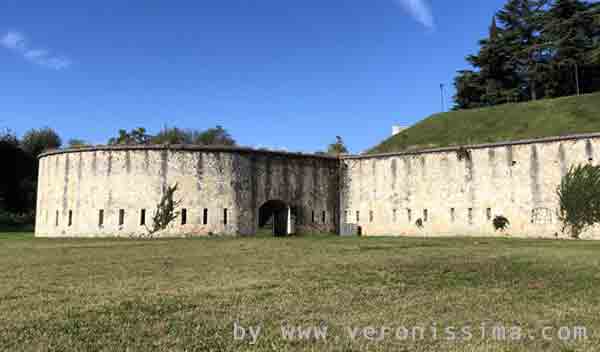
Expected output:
(579, 197)
(19, 222)
(501, 223)
(419, 223)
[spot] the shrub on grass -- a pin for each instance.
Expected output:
(579, 197)
(501, 223)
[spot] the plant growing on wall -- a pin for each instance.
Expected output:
(501, 223)
(579, 197)
(166, 211)
(463, 153)
(419, 223)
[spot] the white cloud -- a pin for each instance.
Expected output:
(17, 42)
(420, 11)
(13, 41)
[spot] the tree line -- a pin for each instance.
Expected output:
(535, 49)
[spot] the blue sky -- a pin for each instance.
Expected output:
(279, 74)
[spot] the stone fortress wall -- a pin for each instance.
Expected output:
(113, 191)
(454, 194)
(104, 191)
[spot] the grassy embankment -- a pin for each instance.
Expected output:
(542, 118)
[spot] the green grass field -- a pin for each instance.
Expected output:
(186, 294)
(542, 118)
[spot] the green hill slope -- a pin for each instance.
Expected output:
(543, 118)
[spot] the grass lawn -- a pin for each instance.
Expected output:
(186, 294)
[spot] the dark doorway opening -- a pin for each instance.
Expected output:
(273, 215)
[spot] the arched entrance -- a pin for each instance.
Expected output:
(276, 214)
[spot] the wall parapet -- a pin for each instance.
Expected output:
(183, 147)
(571, 137)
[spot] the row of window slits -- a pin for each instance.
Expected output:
(409, 215)
(323, 217)
(182, 216)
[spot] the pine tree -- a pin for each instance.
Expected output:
(535, 49)
(522, 21)
(572, 34)
(496, 70)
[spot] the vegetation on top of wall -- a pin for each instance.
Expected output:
(174, 135)
(542, 118)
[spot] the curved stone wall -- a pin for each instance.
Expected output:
(107, 191)
(457, 195)
(453, 191)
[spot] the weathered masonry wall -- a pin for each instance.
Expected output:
(387, 194)
(105, 191)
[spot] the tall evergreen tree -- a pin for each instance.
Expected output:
(537, 49)
(497, 80)
(522, 21)
(570, 31)
(469, 90)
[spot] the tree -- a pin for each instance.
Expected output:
(77, 143)
(338, 147)
(9, 137)
(579, 198)
(215, 136)
(17, 191)
(571, 32)
(36, 141)
(137, 136)
(522, 21)
(469, 90)
(496, 80)
(173, 136)
(535, 49)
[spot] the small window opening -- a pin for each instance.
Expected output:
(324, 217)
(183, 216)
(357, 216)
(101, 217)
(143, 217)
(409, 215)
(70, 217)
(488, 213)
(121, 217)
(371, 216)
(313, 217)
(425, 215)
(56, 222)
(205, 217)
(225, 216)
(470, 215)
